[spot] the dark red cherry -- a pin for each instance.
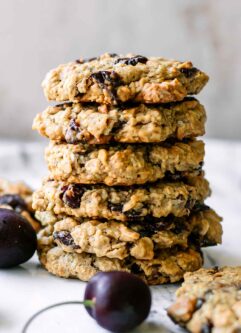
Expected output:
(18, 240)
(121, 301)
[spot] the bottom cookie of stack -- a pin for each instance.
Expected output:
(157, 250)
(168, 266)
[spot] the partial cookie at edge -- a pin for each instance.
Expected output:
(209, 301)
(18, 197)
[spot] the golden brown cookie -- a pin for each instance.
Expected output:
(137, 239)
(123, 164)
(167, 266)
(112, 79)
(121, 203)
(209, 301)
(100, 124)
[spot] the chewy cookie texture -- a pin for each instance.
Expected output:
(101, 124)
(126, 189)
(123, 164)
(138, 239)
(113, 79)
(121, 203)
(209, 301)
(167, 266)
(18, 197)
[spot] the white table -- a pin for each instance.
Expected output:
(27, 289)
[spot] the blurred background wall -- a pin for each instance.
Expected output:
(38, 35)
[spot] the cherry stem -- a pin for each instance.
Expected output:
(90, 303)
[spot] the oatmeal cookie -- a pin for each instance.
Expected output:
(140, 240)
(123, 164)
(121, 203)
(209, 301)
(18, 197)
(100, 124)
(113, 79)
(167, 266)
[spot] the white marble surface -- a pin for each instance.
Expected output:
(27, 289)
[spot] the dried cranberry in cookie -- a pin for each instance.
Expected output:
(133, 61)
(65, 238)
(72, 194)
(189, 72)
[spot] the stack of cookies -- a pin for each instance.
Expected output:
(126, 188)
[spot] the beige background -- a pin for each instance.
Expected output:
(37, 35)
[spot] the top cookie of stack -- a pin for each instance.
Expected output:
(114, 80)
(126, 188)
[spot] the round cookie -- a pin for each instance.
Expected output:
(101, 124)
(120, 203)
(167, 266)
(123, 164)
(18, 196)
(113, 79)
(138, 239)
